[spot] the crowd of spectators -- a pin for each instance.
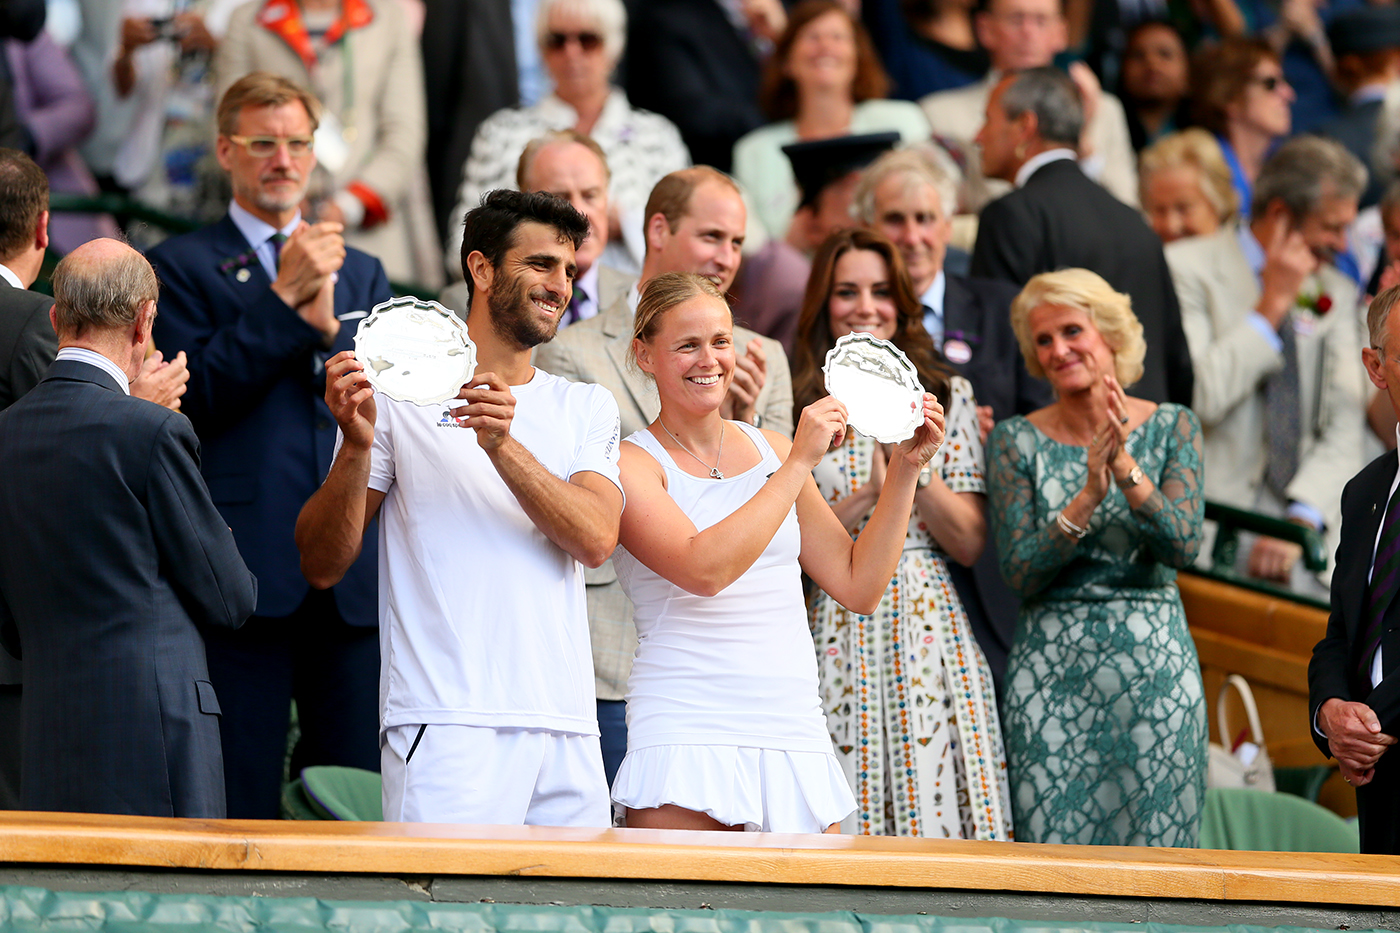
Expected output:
(1195, 204)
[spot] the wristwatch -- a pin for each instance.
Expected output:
(925, 476)
(1135, 476)
(757, 420)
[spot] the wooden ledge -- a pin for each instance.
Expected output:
(652, 855)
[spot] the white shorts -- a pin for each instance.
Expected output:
(469, 774)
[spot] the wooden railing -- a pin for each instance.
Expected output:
(653, 855)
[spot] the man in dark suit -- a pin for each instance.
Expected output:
(114, 556)
(259, 301)
(27, 348)
(1353, 687)
(902, 195)
(1058, 218)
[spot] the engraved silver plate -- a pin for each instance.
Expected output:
(878, 385)
(415, 351)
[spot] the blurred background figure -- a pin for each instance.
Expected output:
(581, 42)
(926, 45)
(1033, 121)
(470, 71)
(907, 692)
(1155, 83)
(1239, 93)
(823, 80)
(1366, 45)
(1023, 34)
(162, 78)
(697, 62)
(773, 280)
(1186, 186)
(361, 59)
(1096, 502)
(1275, 337)
(57, 114)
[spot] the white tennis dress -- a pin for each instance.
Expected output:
(723, 714)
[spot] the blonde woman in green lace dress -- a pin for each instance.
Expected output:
(1095, 503)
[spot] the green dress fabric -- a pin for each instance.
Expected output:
(1104, 715)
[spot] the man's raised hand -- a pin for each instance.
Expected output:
(351, 399)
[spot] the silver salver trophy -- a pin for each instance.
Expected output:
(415, 351)
(878, 385)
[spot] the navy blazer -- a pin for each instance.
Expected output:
(1061, 219)
(256, 397)
(27, 347)
(978, 312)
(113, 555)
(1333, 670)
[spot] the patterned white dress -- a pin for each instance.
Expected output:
(907, 691)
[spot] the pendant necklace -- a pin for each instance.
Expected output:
(714, 470)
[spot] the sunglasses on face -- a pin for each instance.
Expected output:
(588, 41)
(265, 147)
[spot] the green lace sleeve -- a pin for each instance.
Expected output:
(1031, 555)
(1170, 521)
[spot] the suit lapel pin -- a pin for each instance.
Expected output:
(243, 275)
(957, 352)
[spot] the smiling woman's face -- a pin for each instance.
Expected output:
(862, 296)
(691, 355)
(1069, 348)
(823, 54)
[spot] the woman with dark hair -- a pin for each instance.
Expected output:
(907, 691)
(823, 80)
(1239, 93)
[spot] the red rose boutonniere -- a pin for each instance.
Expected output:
(1319, 303)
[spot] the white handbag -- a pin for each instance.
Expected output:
(1229, 769)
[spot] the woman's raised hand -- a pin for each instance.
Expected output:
(1102, 449)
(821, 426)
(920, 448)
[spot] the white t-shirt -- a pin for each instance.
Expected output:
(482, 619)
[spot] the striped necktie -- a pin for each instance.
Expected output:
(1385, 580)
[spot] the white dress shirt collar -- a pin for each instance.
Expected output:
(1034, 163)
(932, 300)
(8, 275)
(93, 358)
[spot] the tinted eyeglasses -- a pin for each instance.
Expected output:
(265, 147)
(588, 41)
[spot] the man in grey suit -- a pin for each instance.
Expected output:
(695, 221)
(27, 347)
(114, 556)
(1274, 339)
